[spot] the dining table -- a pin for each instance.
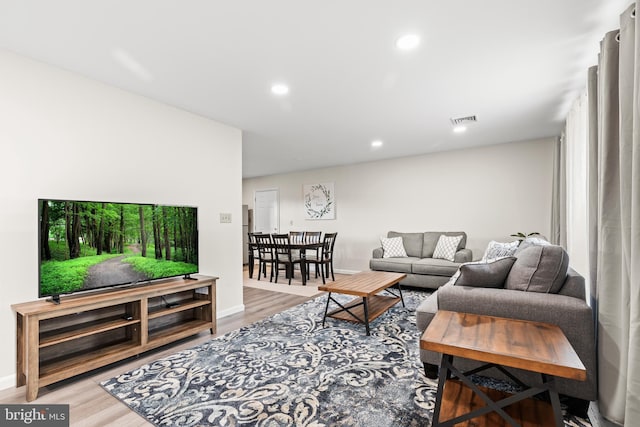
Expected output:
(299, 246)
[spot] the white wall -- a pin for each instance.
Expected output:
(64, 136)
(488, 192)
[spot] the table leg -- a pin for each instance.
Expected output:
(400, 291)
(443, 376)
(251, 262)
(303, 267)
(366, 314)
(326, 309)
(554, 398)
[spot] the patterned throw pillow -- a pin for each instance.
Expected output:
(498, 250)
(447, 247)
(531, 241)
(392, 247)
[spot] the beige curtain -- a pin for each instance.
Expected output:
(615, 246)
(592, 183)
(559, 194)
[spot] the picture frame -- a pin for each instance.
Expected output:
(319, 201)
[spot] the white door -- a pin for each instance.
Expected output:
(267, 212)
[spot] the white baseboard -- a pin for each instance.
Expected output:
(230, 311)
(7, 381)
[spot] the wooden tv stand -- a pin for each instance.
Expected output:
(85, 332)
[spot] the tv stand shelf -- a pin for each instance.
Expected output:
(85, 332)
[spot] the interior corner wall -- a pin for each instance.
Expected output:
(488, 192)
(64, 136)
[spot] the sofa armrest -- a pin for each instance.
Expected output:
(572, 315)
(377, 253)
(463, 255)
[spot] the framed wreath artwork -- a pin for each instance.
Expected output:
(319, 201)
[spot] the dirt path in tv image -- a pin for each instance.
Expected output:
(113, 271)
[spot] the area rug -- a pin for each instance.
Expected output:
(288, 370)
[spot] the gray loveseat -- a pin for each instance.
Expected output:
(562, 304)
(422, 270)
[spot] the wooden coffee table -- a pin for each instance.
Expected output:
(500, 343)
(365, 285)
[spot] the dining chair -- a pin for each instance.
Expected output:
(285, 256)
(253, 252)
(311, 237)
(296, 236)
(265, 254)
(325, 261)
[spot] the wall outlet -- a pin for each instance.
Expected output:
(225, 217)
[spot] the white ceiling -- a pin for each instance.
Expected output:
(515, 64)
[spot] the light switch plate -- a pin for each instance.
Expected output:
(225, 217)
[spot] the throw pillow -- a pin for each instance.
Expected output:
(447, 247)
(539, 268)
(491, 274)
(454, 278)
(392, 247)
(531, 241)
(498, 250)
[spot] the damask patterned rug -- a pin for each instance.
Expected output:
(288, 370)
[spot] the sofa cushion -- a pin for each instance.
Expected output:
(396, 265)
(435, 267)
(392, 247)
(447, 247)
(490, 274)
(430, 240)
(539, 269)
(412, 242)
(498, 250)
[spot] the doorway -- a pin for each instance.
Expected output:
(266, 211)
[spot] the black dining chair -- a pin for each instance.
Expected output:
(325, 261)
(253, 252)
(265, 255)
(285, 257)
(312, 237)
(296, 236)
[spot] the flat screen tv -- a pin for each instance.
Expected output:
(91, 245)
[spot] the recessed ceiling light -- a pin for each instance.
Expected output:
(408, 42)
(279, 89)
(376, 144)
(459, 129)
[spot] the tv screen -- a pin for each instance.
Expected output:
(91, 245)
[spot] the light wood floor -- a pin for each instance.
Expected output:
(90, 405)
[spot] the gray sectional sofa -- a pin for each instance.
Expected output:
(539, 286)
(422, 270)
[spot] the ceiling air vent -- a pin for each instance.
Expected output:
(463, 120)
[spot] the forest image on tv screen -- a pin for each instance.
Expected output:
(89, 245)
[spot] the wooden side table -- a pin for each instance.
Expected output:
(500, 343)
